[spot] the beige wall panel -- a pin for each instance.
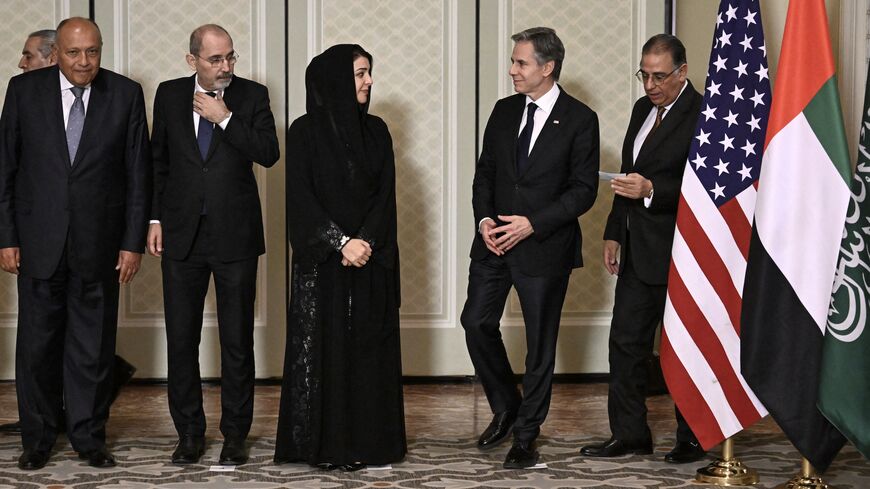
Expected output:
(406, 39)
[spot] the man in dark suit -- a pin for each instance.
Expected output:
(640, 232)
(206, 221)
(38, 52)
(75, 190)
(537, 173)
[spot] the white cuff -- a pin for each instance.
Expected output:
(481, 222)
(226, 121)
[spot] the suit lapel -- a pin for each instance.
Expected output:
(99, 101)
(53, 107)
(550, 131)
(668, 124)
(513, 134)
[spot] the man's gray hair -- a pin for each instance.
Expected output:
(548, 46)
(198, 33)
(47, 39)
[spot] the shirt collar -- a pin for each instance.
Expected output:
(547, 100)
(198, 88)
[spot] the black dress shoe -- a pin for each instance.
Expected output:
(189, 449)
(522, 455)
(352, 467)
(234, 452)
(99, 458)
(499, 429)
(685, 452)
(32, 459)
(616, 448)
(13, 428)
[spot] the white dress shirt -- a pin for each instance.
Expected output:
(647, 127)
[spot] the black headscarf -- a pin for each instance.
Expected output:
(341, 177)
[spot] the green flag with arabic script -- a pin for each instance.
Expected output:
(844, 386)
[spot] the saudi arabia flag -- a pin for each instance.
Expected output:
(844, 392)
(803, 194)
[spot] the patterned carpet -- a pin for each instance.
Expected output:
(435, 463)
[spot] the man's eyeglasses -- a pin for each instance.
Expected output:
(216, 61)
(657, 78)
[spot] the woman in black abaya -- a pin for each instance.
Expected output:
(341, 396)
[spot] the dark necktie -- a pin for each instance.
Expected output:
(524, 141)
(75, 123)
(204, 133)
(660, 111)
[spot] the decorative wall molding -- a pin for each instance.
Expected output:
(854, 52)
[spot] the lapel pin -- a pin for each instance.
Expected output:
(555, 121)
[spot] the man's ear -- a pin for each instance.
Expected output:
(549, 66)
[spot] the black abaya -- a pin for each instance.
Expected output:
(341, 396)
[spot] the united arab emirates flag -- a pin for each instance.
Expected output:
(803, 194)
(844, 392)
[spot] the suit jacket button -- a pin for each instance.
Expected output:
(205, 169)
(517, 187)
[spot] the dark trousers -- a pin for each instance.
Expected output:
(541, 299)
(637, 311)
(185, 284)
(64, 355)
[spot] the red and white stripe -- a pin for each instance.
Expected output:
(701, 336)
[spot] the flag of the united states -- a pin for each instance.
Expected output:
(701, 338)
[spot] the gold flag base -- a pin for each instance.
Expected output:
(727, 471)
(801, 482)
(807, 480)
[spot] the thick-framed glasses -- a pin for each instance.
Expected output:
(216, 61)
(657, 78)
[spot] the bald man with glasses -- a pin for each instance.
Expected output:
(209, 129)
